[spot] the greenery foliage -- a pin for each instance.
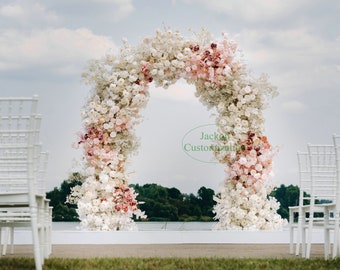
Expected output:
(286, 196)
(164, 204)
(63, 211)
(169, 204)
(159, 203)
(171, 263)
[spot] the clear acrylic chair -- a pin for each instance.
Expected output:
(20, 203)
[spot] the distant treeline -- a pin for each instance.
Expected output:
(169, 204)
(164, 204)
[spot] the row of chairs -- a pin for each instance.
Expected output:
(22, 176)
(319, 199)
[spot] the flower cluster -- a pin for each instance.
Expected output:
(120, 90)
(214, 64)
(124, 199)
(243, 203)
(253, 165)
(238, 209)
(105, 202)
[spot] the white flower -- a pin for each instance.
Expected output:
(154, 72)
(161, 72)
(113, 174)
(103, 206)
(103, 177)
(258, 167)
(242, 161)
(90, 170)
(98, 221)
(121, 82)
(139, 100)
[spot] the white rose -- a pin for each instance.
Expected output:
(121, 82)
(104, 178)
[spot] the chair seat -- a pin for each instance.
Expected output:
(14, 198)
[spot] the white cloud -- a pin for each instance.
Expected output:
(11, 11)
(122, 8)
(27, 13)
(30, 14)
(253, 10)
(61, 48)
(296, 58)
(292, 46)
(180, 91)
(294, 106)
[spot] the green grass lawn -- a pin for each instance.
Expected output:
(170, 263)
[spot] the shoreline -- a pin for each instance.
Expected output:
(278, 251)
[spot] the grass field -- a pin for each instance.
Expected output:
(170, 263)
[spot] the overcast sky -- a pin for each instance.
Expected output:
(45, 46)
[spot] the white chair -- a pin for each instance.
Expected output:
(20, 203)
(317, 185)
(46, 210)
(305, 189)
(336, 241)
(323, 192)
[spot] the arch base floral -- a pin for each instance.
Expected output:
(120, 90)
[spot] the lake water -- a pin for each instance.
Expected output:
(162, 233)
(147, 226)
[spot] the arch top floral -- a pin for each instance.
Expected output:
(120, 90)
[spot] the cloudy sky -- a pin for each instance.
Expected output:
(45, 46)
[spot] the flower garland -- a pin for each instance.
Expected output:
(243, 202)
(120, 90)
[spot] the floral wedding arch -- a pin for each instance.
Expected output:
(120, 90)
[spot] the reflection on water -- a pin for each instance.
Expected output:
(147, 226)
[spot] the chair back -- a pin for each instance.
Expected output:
(41, 173)
(305, 183)
(336, 142)
(19, 134)
(323, 173)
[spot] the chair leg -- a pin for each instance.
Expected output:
(46, 229)
(36, 242)
(336, 242)
(326, 244)
(298, 243)
(310, 234)
(303, 242)
(11, 231)
(299, 235)
(0, 237)
(4, 246)
(291, 240)
(309, 243)
(49, 232)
